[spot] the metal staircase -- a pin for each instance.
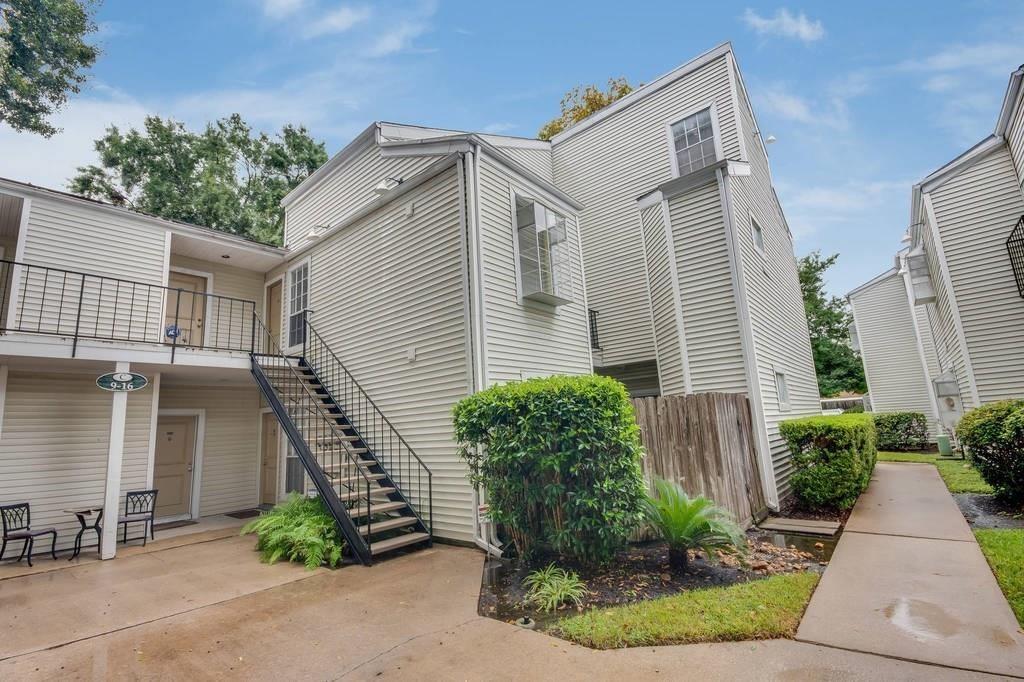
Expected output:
(378, 490)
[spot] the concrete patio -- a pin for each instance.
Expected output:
(210, 610)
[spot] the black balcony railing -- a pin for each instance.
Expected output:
(1015, 246)
(79, 305)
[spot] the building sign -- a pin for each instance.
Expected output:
(122, 381)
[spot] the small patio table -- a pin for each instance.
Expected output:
(83, 515)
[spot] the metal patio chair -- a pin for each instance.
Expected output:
(139, 507)
(17, 525)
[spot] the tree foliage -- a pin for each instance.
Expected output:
(838, 366)
(582, 101)
(43, 58)
(226, 177)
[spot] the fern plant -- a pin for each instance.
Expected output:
(550, 587)
(686, 523)
(299, 529)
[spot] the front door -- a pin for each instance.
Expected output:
(268, 477)
(186, 308)
(172, 467)
(274, 311)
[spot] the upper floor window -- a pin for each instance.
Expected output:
(757, 234)
(694, 141)
(298, 301)
(782, 389)
(543, 253)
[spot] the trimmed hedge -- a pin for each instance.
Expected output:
(994, 436)
(559, 459)
(833, 457)
(901, 430)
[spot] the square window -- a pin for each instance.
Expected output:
(543, 253)
(694, 141)
(757, 235)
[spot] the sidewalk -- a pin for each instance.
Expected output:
(909, 581)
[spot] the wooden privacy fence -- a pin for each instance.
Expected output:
(705, 442)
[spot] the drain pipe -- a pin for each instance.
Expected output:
(484, 534)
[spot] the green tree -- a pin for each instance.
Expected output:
(43, 57)
(838, 366)
(582, 101)
(225, 177)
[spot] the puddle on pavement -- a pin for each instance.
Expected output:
(821, 547)
(495, 602)
(922, 620)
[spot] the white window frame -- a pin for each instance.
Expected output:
(286, 332)
(757, 234)
(780, 388)
(515, 191)
(715, 131)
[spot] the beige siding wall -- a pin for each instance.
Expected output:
(536, 160)
(228, 321)
(344, 191)
(524, 338)
(54, 444)
(664, 307)
(777, 319)
(710, 316)
(640, 378)
(975, 212)
(888, 344)
(71, 236)
(388, 296)
(606, 167)
(1015, 137)
(231, 460)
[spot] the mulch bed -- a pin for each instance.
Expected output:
(792, 509)
(637, 573)
(986, 511)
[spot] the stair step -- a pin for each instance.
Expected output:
(397, 541)
(337, 448)
(377, 509)
(349, 480)
(348, 464)
(360, 493)
(388, 524)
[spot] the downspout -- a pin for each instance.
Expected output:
(484, 534)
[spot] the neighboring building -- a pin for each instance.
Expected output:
(419, 265)
(963, 269)
(896, 346)
(689, 261)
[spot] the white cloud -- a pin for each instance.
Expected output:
(809, 209)
(336, 21)
(832, 111)
(992, 58)
(498, 128)
(786, 25)
(397, 39)
(278, 9)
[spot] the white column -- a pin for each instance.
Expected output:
(115, 455)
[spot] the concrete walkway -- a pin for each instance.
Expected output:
(211, 611)
(909, 581)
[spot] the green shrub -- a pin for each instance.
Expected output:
(856, 409)
(550, 587)
(898, 431)
(559, 460)
(833, 458)
(686, 523)
(299, 529)
(994, 436)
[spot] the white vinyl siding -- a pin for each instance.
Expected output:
(1015, 137)
(606, 167)
(640, 379)
(525, 338)
(346, 190)
(231, 457)
(664, 308)
(947, 342)
(888, 346)
(778, 322)
(54, 446)
(535, 160)
(710, 316)
(976, 211)
(387, 293)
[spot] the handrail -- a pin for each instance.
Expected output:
(82, 305)
(1015, 248)
(385, 443)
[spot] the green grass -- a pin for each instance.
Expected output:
(1004, 549)
(959, 475)
(762, 609)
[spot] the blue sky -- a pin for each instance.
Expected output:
(865, 98)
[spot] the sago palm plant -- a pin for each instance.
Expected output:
(686, 523)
